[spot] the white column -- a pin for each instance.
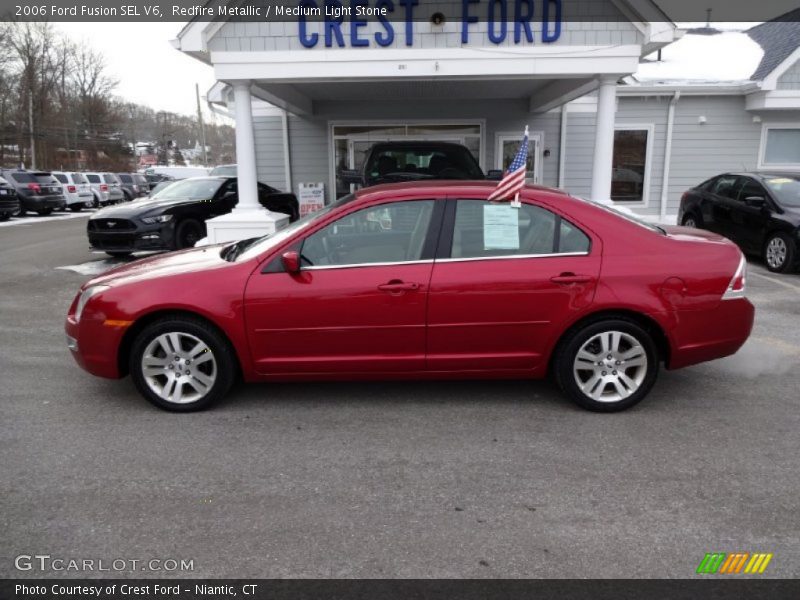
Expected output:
(249, 218)
(245, 147)
(604, 139)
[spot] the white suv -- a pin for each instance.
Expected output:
(76, 190)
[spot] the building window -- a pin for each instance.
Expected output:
(629, 166)
(507, 148)
(782, 147)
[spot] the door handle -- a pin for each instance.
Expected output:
(396, 286)
(568, 278)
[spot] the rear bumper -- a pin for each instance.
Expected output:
(42, 202)
(84, 199)
(703, 335)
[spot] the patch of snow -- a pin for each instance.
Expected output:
(728, 56)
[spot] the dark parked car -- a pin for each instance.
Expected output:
(224, 170)
(175, 217)
(9, 202)
(759, 211)
(392, 162)
(134, 185)
(38, 191)
(153, 179)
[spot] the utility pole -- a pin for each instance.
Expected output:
(30, 127)
(202, 125)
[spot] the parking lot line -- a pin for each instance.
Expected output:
(780, 282)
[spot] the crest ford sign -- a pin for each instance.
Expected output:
(343, 21)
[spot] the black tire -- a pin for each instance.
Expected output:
(567, 351)
(43, 212)
(5, 216)
(779, 253)
(128, 196)
(691, 219)
(96, 202)
(75, 207)
(188, 233)
(119, 254)
(20, 213)
(224, 371)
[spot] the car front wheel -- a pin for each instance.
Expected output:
(182, 364)
(44, 212)
(607, 366)
(779, 253)
(690, 220)
(188, 233)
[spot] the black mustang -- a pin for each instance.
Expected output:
(174, 218)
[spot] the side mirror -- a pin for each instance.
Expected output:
(350, 176)
(291, 261)
(495, 175)
(756, 201)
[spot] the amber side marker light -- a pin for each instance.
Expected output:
(116, 323)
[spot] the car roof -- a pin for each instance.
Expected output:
(418, 144)
(438, 188)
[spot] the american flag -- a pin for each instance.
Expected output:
(514, 178)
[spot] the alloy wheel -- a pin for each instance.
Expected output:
(610, 366)
(776, 252)
(179, 367)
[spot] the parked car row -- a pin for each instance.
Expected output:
(42, 192)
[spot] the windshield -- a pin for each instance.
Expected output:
(786, 189)
(422, 162)
(198, 188)
(625, 213)
(252, 248)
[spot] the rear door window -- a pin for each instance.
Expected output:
(61, 177)
(727, 186)
(489, 229)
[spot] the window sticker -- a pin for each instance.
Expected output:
(500, 227)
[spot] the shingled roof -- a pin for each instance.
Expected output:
(779, 38)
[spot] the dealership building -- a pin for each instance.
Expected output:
(621, 104)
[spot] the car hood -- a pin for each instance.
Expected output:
(140, 207)
(164, 265)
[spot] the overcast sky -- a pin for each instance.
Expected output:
(151, 72)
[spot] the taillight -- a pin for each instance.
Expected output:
(103, 187)
(35, 188)
(71, 189)
(736, 288)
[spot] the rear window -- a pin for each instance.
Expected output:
(109, 178)
(24, 177)
(125, 178)
(61, 177)
(93, 178)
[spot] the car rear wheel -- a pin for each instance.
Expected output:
(182, 364)
(779, 253)
(119, 254)
(188, 233)
(607, 366)
(44, 212)
(690, 220)
(75, 207)
(19, 213)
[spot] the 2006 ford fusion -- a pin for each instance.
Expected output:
(422, 281)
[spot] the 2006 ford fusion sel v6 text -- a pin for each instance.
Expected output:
(422, 281)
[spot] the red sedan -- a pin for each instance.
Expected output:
(422, 281)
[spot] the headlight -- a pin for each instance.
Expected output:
(86, 295)
(158, 219)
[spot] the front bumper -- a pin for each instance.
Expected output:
(158, 236)
(94, 346)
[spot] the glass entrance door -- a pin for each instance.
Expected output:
(507, 148)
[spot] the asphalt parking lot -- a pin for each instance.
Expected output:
(453, 479)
